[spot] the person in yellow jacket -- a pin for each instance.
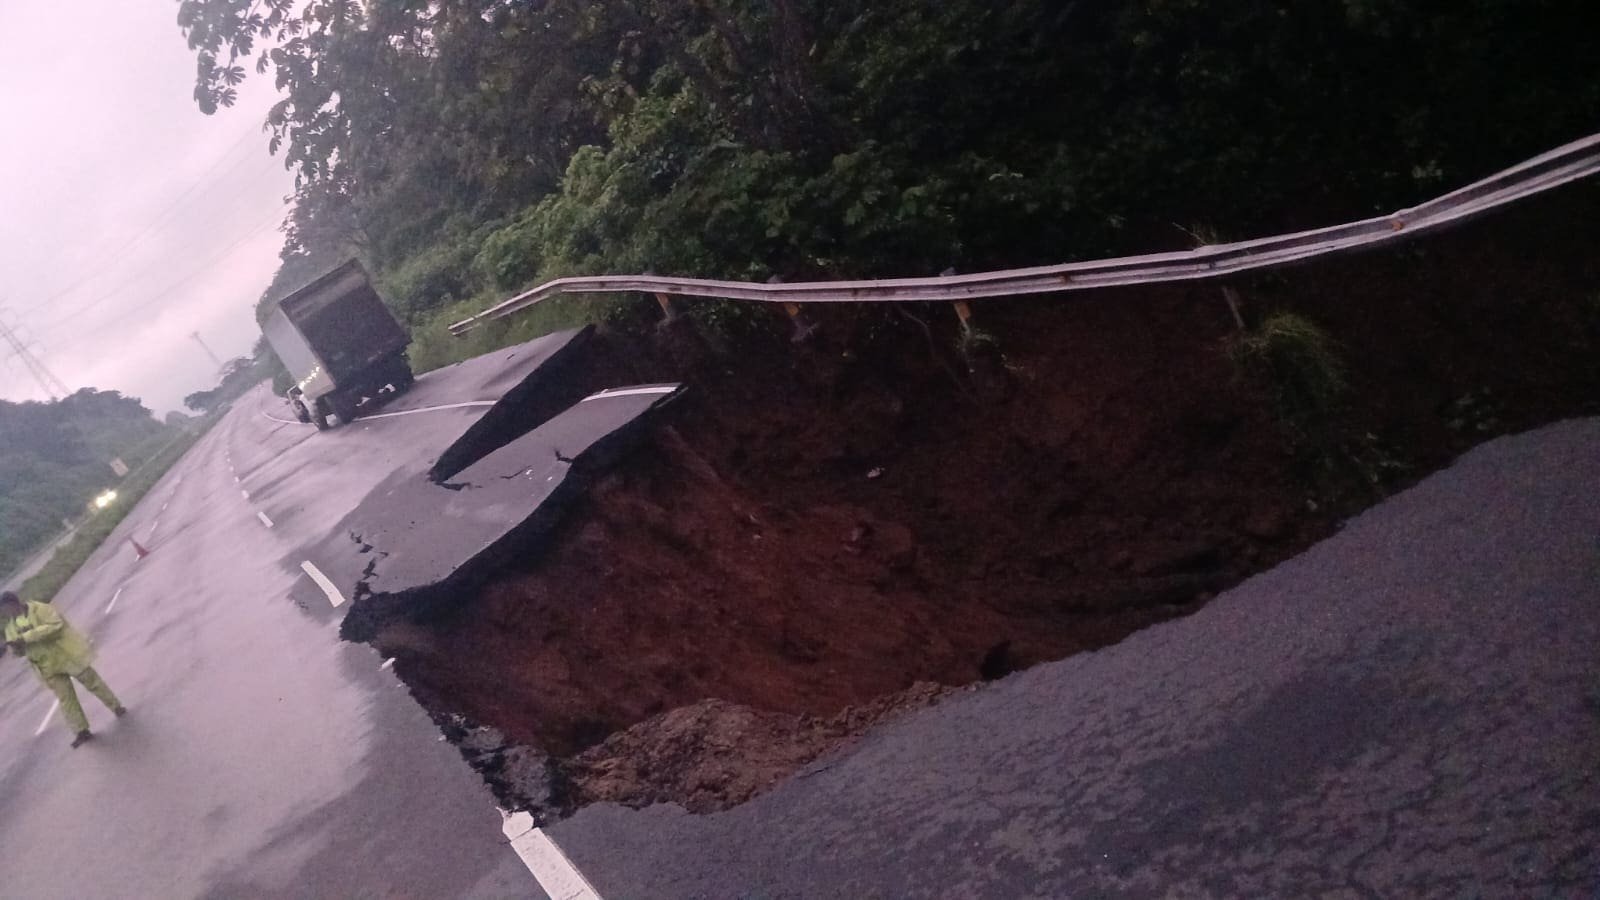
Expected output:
(59, 653)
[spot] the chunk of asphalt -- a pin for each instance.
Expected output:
(430, 542)
(536, 398)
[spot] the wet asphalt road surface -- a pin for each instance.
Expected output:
(263, 756)
(1409, 709)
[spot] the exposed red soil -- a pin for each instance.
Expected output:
(817, 527)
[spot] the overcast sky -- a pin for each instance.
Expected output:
(128, 220)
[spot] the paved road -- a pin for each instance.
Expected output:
(1410, 709)
(264, 757)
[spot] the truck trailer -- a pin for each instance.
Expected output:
(341, 345)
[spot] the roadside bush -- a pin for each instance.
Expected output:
(433, 346)
(1299, 366)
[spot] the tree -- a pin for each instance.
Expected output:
(55, 456)
(464, 147)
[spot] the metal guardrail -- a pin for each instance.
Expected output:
(1565, 164)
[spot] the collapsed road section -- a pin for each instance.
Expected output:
(415, 543)
(822, 535)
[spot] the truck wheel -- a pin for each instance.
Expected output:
(343, 407)
(300, 412)
(397, 374)
(319, 414)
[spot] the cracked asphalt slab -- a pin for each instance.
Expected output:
(413, 542)
(264, 756)
(1411, 708)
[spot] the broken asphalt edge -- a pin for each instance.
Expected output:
(369, 613)
(535, 400)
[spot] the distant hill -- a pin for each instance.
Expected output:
(55, 457)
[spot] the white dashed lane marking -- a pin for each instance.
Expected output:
(113, 599)
(324, 582)
(47, 717)
(244, 493)
(264, 520)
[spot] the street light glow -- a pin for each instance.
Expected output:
(105, 500)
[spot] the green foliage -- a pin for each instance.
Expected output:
(1300, 368)
(54, 457)
(66, 560)
(433, 346)
(239, 376)
(468, 148)
(434, 276)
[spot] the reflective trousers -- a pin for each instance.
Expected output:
(71, 709)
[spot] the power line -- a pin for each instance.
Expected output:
(127, 287)
(156, 223)
(48, 382)
(158, 295)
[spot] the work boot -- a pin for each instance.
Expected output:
(120, 711)
(82, 737)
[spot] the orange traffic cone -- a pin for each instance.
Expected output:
(139, 552)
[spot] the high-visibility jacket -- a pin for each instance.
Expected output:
(53, 646)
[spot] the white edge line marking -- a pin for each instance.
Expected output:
(264, 520)
(403, 412)
(629, 392)
(47, 717)
(412, 412)
(550, 867)
(324, 582)
(114, 599)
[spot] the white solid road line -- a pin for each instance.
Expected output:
(114, 599)
(324, 582)
(264, 520)
(47, 717)
(403, 412)
(550, 867)
(630, 392)
(425, 409)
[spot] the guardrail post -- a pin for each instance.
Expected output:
(1232, 296)
(667, 312)
(804, 328)
(964, 313)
